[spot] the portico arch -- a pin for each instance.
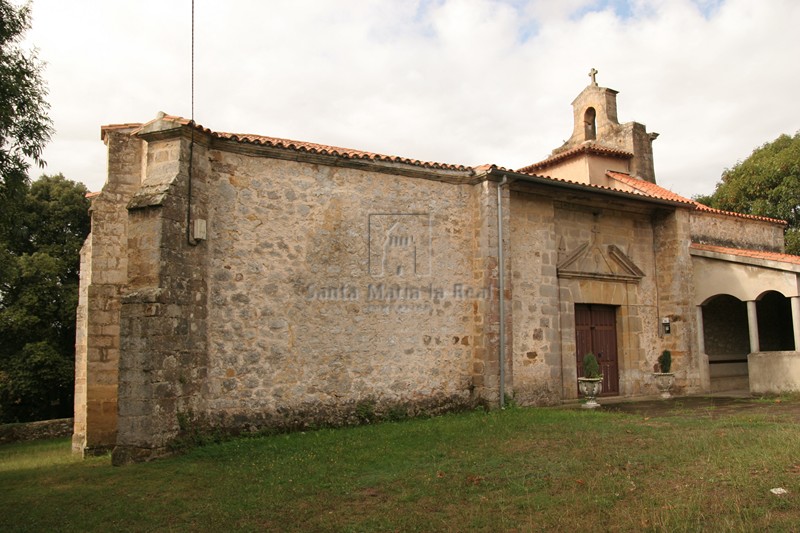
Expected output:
(775, 328)
(719, 274)
(726, 341)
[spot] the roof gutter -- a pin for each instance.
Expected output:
(501, 275)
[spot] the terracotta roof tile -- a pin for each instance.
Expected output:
(702, 207)
(323, 149)
(606, 188)
(594, 149)
(111, 127)
(754, 254)
(640, 187)
(647, 188)
(491, 167)
(312, 148)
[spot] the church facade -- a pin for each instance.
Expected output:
(246, 282)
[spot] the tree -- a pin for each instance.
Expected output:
(39, 274)
(25, 126)
(767, 183)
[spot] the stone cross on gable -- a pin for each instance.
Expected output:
(595, 233)
(592, 74)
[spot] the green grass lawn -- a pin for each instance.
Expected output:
(516, 470)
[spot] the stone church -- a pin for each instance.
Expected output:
(245, 282)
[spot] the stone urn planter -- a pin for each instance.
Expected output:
(664, 381)
(664, 378)
(591, 384)
(591, 389)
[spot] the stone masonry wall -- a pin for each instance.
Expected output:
(642, 164)
(335, 293)
(81, 348)
(485, 368)
(43, 429)
(537, 339)
(726, 230)
(163, 327)
(319, 305)
(674, 274)
(103, 278)
(635, 300)
(630, 137)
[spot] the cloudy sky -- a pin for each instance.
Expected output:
(454, 81)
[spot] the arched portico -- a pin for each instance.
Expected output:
(775, 324)
(726, 341)
(748, 318)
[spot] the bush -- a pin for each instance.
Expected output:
(665, 361)
(591, 368)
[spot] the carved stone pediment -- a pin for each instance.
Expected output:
(590, 261)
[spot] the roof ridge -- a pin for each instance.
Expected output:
(311, 147)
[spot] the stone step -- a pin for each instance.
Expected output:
(720, 384)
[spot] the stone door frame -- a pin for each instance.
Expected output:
(601, 340)
(629, 323)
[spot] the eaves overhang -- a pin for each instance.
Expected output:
(496, 174)
(784, 262)
(164, 128)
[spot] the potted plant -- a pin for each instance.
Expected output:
(591, 384)
(664, 377)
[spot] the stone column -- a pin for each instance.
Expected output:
(702, 357)
(752, 321)
(796, 321)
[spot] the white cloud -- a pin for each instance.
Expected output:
(458, 81)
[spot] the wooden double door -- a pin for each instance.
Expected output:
(596, 332)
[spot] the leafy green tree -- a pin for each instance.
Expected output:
(39, 274)
(25, 126)
(767, 183)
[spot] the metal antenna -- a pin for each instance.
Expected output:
(192, 62)
(189, 237)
